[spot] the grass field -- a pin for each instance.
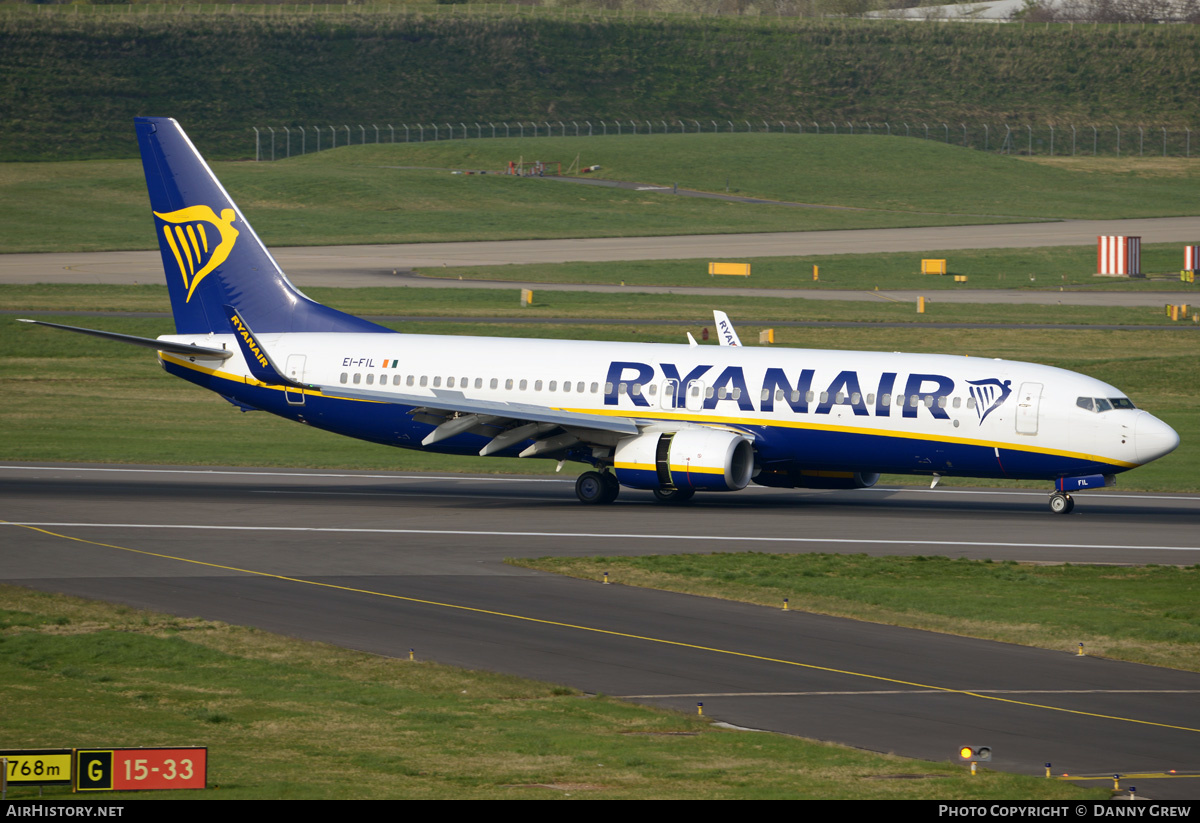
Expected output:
(1044, 269)
(361, 195)
(1144, 614)
(288, 719)
(102, 402)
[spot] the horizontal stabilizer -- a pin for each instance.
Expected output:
(148, 342)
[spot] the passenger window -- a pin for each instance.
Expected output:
(523, 385)
(795, 396)
(809, 397)
(652, 390)
(839, 398)
(396, 380)
(637, 390)
(737, 393)
(357, 378)
(424, 380)
(449, 382)
(871, 399)
(608, 387)
(409, 381)
(957, 402)
(970, 402)
(479, 383)
(437, 381)
(854, 398)
(579, 387)
(708, 393)
(463, 382)
(721, 393)
(370, 379)
(508, 384)
(941, 402)
(345, 377)
(622, 388)
(824, 397)
(537, 385)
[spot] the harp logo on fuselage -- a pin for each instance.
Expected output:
(199, 240)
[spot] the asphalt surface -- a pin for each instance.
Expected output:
(391, 265)
(417, 560)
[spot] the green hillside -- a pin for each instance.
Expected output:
(71, 82)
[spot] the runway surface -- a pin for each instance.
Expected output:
(356, 266)
(388, 562)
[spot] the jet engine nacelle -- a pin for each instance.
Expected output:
(689, 459)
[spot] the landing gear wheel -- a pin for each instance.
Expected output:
(673, 496)
(593, 489)
(612, 487)
(1061, 503)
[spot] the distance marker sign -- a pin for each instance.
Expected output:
(42, 767)
(106, 770)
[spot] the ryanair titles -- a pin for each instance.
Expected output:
(700, 388)
(251, 346)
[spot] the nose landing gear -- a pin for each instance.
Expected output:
(1061, 503)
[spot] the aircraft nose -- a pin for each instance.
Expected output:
(1152, 438)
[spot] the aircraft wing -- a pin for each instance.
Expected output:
(453, 401)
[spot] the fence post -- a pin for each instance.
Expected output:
(363, 138)
(347, 128)
(926, 125)
(985, 137)
(1052, 141)
(303, 140)
(1072, 139)
(317, 129)
(1029, 128)
(1094, 134)
(1141, 142)
(1118, 128)
(1164, 141)
(257, 151)
(288, 132)
(947, 128)
(272, 143)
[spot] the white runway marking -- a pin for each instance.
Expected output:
(611, 536)
(514, 479)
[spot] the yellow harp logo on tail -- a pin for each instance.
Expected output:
(199, 239)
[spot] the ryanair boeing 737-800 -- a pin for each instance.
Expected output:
(670, 419)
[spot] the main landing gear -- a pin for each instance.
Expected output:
(673, 497)
(1061, 503)
(596, 488)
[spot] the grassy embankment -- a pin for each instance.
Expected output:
(285, 718)
(1144, 614)
(359, 195)
(70, 84)
(101, 402)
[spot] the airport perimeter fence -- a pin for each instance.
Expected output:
(1060, 140)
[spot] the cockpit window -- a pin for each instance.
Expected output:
(1101, 404)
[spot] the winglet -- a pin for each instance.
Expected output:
(261, 366)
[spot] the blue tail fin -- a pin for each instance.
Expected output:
(211, 256)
